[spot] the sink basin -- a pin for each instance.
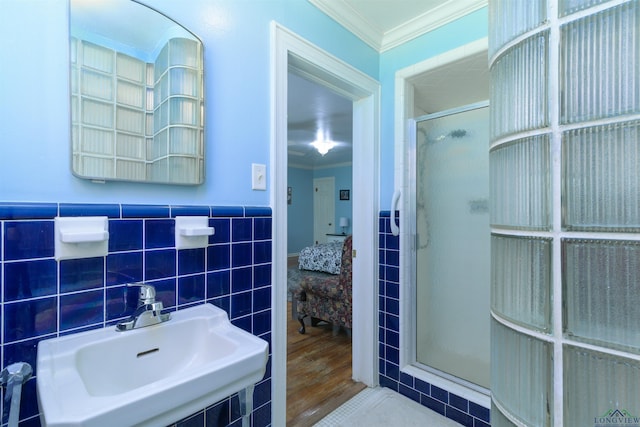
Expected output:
(151, 376)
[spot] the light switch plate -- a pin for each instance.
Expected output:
(258, 176)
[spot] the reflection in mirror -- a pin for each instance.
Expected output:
(137, 103)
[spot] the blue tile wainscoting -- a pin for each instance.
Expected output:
(44, 298)
(445, 403)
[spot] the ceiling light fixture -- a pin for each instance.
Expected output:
(323, 146)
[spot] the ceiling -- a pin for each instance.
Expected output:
(382, 24)
(312, 108)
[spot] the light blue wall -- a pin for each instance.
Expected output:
(34, 114)
(458, 33)
(300, 211)
(343, 180)
(34, 83)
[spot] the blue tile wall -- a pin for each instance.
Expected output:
(448, 404)
(43, 298)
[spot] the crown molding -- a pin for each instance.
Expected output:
(349, 18)
(429, 21)
(415, 27)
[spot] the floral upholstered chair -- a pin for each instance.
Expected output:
(328, 298)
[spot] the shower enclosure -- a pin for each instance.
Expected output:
(452, 244)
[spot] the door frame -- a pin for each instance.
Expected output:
(290, 50)
(404, 135)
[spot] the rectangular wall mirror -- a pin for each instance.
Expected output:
(137, 99)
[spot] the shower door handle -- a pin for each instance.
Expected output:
(395, 229)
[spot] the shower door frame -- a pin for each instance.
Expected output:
(404, 135)
(412, 125)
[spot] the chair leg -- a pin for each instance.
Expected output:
(302, 329)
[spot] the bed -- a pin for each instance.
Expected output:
(321, 261)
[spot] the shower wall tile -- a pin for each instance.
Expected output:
(159, 264)
(81, 309)
(218, 284)
(191, 261)
(227, 211)
(241, 254)
(124, 267)
(241, 279)
(218, 257)
(28, 239)
(191, 289)
(30, 279)
(24, 210)
(125, 235)
(43, 298)
(241, 230)
(435, 398)
(159, 233)
(190, 211)
(222, 231)
(145, 211)
(78, 209)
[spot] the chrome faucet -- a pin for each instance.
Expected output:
(148, 311)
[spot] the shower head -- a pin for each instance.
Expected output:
(458, 133)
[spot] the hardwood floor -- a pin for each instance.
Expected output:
(318, 373)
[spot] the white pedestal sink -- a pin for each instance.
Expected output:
(152, 376)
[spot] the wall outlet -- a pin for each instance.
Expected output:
(258, 177)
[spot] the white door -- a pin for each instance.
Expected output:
(324, 208)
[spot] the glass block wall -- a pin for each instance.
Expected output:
(176, 153)
(565, 214)
(138, 121)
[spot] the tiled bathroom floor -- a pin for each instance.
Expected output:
(383, 407)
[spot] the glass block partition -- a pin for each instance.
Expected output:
(136, 120)
(565, 214)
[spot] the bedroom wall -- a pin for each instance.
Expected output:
(300, 211)
(343, 179)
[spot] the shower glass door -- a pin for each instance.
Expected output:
(452, 263)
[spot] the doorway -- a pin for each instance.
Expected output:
(448, 81)
(289, 50)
